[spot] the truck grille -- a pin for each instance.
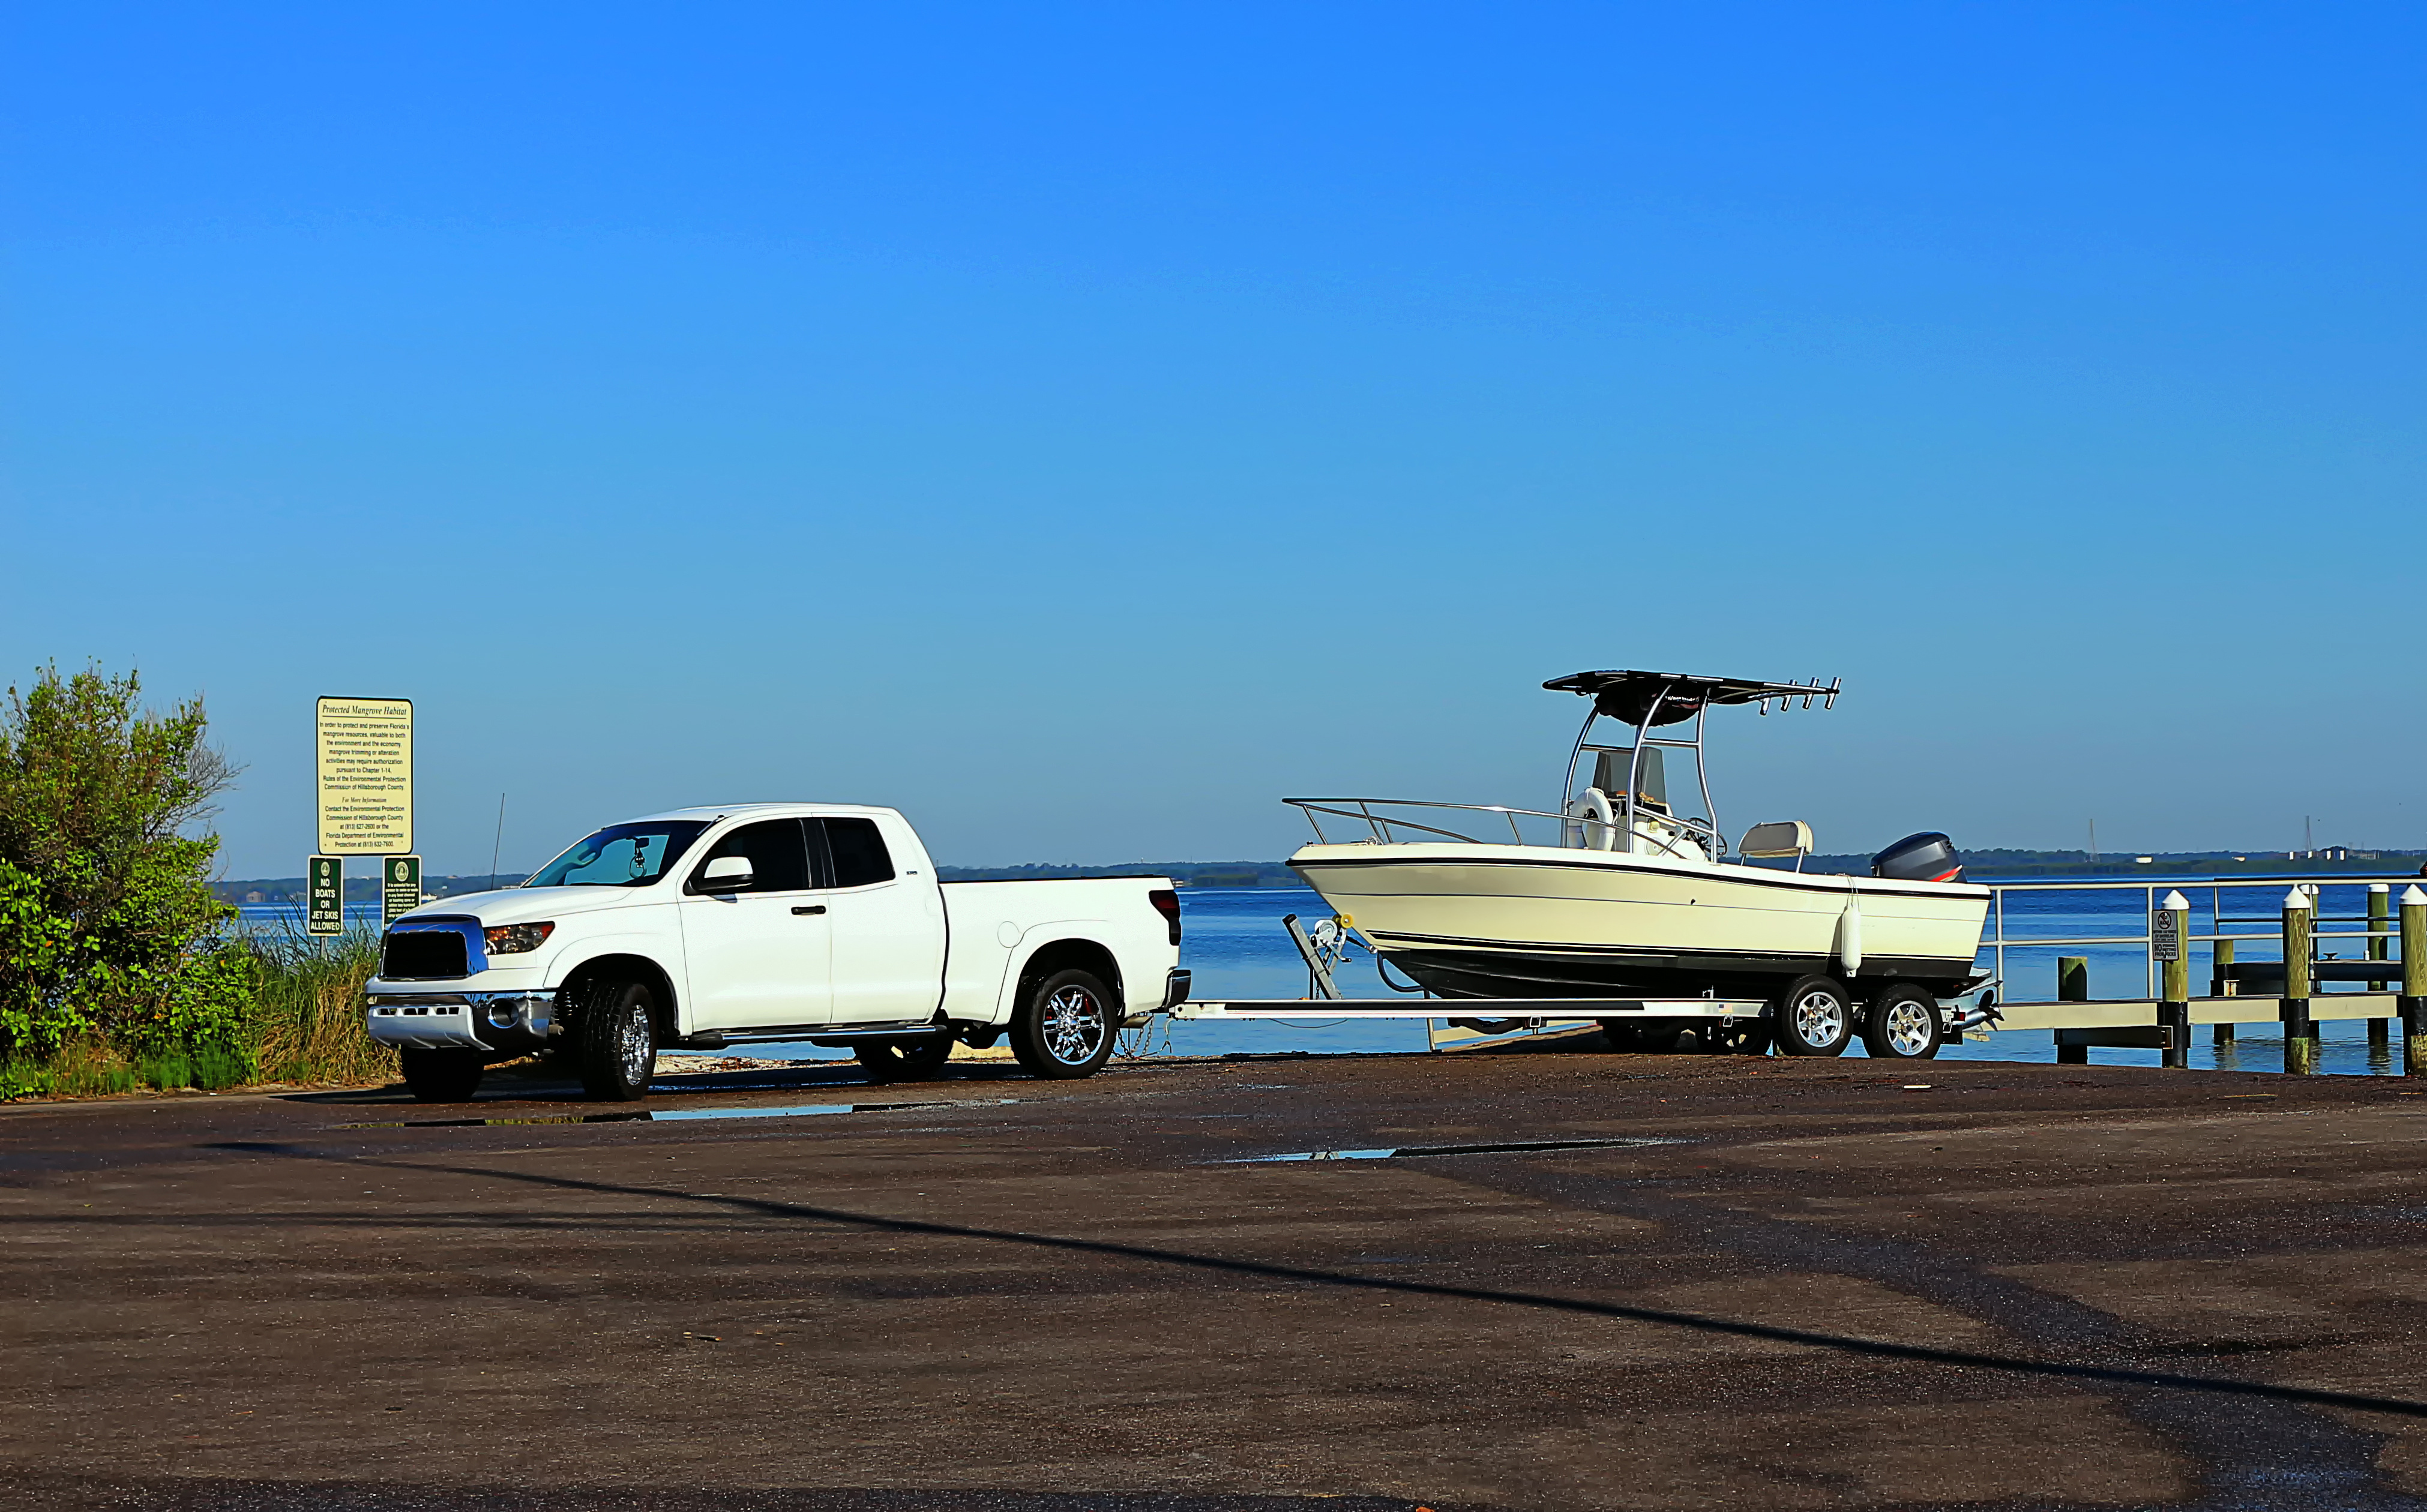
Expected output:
(424, 952)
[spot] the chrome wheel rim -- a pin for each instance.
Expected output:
(1074, 1026)
(1908, 1027)
(632, 1044)
(1819, 1018)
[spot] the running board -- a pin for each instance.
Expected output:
(811, 1033)
(1542, 1008)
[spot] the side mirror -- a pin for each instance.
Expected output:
(727, 873)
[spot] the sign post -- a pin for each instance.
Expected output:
(365, 770)
(399, 888)
(324, 895)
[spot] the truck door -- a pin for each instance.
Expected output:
(758, 956)
(888, 928)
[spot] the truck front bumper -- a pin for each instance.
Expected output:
(498, 1022)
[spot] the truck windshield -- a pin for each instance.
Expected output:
(621, 856)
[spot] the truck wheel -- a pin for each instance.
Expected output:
(1066, 1028)
(443, 1076)
(1814, 1016)
(619, 1042)
(904, 1060)
(1903, 1025)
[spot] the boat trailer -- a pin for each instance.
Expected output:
(1326, 947)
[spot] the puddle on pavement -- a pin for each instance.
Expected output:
(1408, 1152)
(675, 1115)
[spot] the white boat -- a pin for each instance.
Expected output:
(1621, 892)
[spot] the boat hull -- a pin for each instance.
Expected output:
(1507, 921)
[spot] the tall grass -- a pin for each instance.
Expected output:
(307, 1015)
(305, 1025)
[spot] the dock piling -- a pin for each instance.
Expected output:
(2380, 918)
(2072, 985)
(2222, 1034)
(2413, 982)
(2300, 1030)
(2170, 936)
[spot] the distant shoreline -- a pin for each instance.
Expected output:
(1980, 866)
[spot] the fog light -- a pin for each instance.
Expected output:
(501, 1013)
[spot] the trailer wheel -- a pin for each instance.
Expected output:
(1065, 1027)
(904, 1060)
(1814, 1016)
(1903, 1025)
(442, 1075)
(619, 1041)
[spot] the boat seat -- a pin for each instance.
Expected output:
(1786, 837)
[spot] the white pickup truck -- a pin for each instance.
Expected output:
(704, 928)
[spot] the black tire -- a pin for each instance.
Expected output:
(1642, 1037)
(1813, 1017)
(619, 1041)
(1065, 1027)
(1657, 1038)
(904, 1060)
(443, 1076)
(1903, 1024)
(1750, 1037)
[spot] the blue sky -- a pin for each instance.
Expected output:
(1082, 427)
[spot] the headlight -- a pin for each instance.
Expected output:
(513, 939)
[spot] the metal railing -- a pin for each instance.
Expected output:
(1995, 939)
(1573, 832)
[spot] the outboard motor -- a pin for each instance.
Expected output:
(1929, 856)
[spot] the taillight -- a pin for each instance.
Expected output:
(1166, 903)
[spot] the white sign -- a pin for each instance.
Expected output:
(2168, 935)
(366, 776)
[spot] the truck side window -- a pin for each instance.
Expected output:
(778, 861)
(858, 852)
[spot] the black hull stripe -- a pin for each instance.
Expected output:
(1832, 885)
(1646, 953)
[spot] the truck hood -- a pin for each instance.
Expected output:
(524, 905)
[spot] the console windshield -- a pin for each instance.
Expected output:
(621, 856)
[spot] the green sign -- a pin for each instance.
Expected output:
(399, 886)
(324, 895)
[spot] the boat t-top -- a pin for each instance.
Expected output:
(1621, 891)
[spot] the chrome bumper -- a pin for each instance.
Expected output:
(493, 1021)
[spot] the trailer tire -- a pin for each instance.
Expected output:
(1814, 1016)
(1903, 1024)
(904, 1060)
(442, 1075)
(1640, 1036)
(1750, 1037)
(1065, 1027)
(619, 1041)
(1656, 1038)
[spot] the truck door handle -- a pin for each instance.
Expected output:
(811, 908)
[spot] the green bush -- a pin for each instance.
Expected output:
(107, 923)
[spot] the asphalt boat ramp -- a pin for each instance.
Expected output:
(1541, 1280)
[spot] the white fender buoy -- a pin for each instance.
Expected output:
(1596, 820)
(1849, 933)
